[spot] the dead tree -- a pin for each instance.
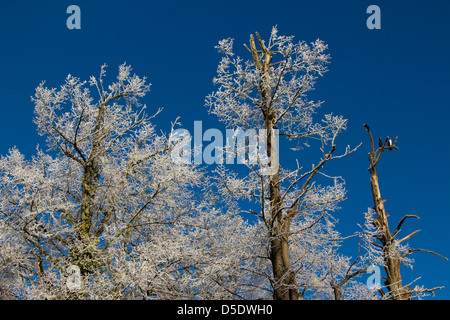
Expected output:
(393, 253)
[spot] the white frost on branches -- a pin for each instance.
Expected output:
(272, 90)
(109, 200)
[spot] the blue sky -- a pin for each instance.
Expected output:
(395, 79)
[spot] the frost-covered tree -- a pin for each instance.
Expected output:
(270, 92)
(106, 186)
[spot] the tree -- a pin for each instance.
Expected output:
(269, 92)
(393, 252)
(106, 185)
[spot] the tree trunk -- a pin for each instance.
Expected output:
(86, 256)
(285, 287)
(392, 254)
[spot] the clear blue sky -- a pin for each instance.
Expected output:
(396, 79)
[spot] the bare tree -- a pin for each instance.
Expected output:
(392, 250)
